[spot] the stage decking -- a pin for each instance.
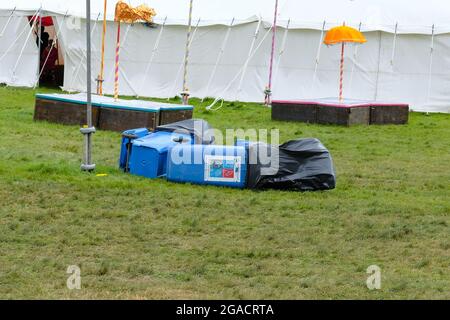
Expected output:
(330, 111)
(108, 114)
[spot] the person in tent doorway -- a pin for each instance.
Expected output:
(49, 58)
(42, 37)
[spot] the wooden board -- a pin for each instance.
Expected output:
(343, 116)
(353, 112)
(121, 120)
(64, 112)
(170, 116)
(389, 114)
(292, 112)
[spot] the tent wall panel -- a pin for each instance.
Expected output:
(16, 69)
(406, 80)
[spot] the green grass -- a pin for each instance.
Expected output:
(139, 238)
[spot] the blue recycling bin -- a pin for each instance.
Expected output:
(127, 139)
(208, 165)
(149, 154)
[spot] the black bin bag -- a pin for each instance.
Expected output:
(302, 165)
(199, 129)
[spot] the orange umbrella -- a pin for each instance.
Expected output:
(342, 35)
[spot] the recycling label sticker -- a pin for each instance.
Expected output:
(222, 168)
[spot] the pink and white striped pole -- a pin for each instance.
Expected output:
(341, 78)
(116, 74)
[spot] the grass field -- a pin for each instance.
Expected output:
(139, 238)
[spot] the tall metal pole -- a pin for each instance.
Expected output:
(88, 129)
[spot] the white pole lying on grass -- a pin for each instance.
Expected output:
(281, 52)
(394, 44)
(23, 48)
(219, 58)
(319, 49)
(154, 51)
(237, 74)
(183, 62)
(247, 61)
(431, 64)
(7, 22)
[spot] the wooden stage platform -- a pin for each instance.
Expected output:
(108, 114)
(331, 111)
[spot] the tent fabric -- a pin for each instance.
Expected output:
(19, 54)
(374, 15)
(382, 69)
(373, 76)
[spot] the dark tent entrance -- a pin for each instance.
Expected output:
(51, 66)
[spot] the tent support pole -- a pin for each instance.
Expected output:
(116, 70)
(219, 58)
(77, 69)
(341, 75)
(7, 22)
(237, 75)
(100, 79)
(154, 51)
(394, 44)
(180, 69)
(281, 52)
(355, 58)
(379, 66)
(319, 49)
(40, 47)
(88, 130)
(268, 90)
(122, 45)
(244, 70)
(23, 48)
(185, 92)
(27, 25)
(431, 65)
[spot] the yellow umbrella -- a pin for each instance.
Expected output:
(343, 35)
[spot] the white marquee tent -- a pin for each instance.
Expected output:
(406, 58)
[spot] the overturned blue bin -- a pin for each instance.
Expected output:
(208, 165)
(127, 141)
(183, 152)
(148, 156)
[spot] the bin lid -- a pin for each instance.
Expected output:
(160, 141)
(199, 128)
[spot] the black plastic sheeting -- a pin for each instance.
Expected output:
(304, 165)
(198, 128)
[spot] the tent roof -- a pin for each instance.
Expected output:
(412, 16)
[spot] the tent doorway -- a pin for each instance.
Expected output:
(51, 66)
